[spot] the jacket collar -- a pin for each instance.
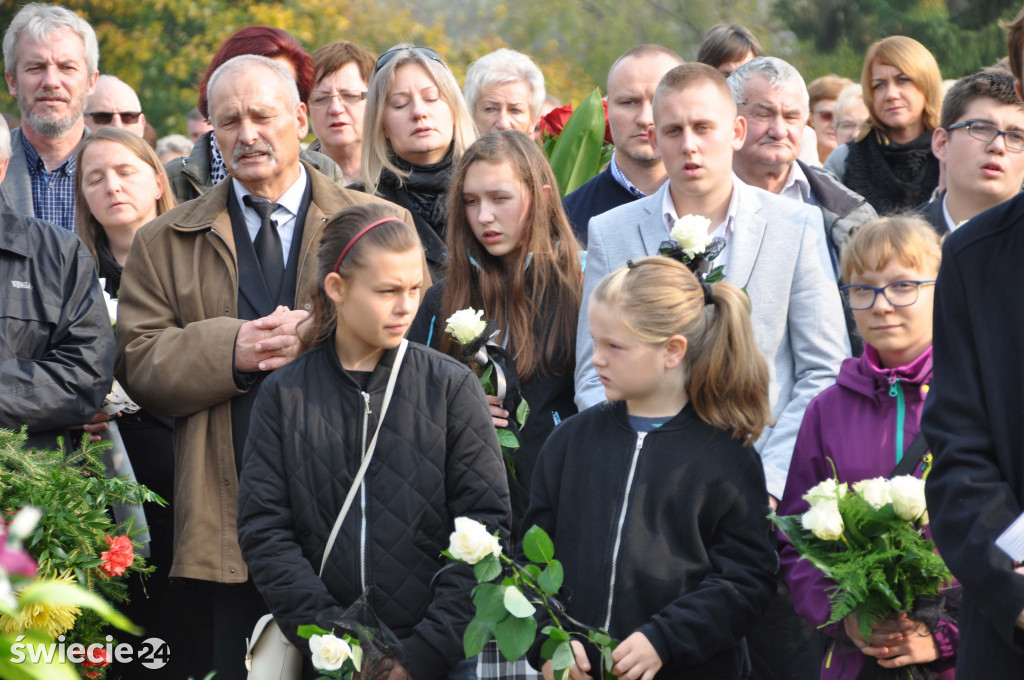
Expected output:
(867, 376)
(14, 231)
(379, 377)
(829, 193)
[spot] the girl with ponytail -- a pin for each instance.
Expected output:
(655, 499)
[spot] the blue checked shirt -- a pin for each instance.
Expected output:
(53, 193)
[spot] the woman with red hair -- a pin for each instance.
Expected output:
(192, 176)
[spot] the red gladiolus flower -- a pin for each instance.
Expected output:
(607, 125)
(95, 651)
(119, 557)
(553, 121)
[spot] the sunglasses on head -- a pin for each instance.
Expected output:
(107, 117)
(390, 54)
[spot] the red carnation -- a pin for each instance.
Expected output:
(119, 557)
(552, 123)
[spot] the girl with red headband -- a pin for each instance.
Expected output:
(396, 432)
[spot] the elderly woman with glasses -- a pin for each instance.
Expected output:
(891, 163)
(416, 129)
(337, 104)
(504, 90)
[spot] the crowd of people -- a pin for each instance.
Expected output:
(282, 323)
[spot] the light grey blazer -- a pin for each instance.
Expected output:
(16, 189)
(796, 310)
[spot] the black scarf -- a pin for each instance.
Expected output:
(892, 176)
(426, 188)
(109, 268)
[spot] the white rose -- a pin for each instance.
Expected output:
(875, 491)
(691, 233)
(471, 542)
(24, 522)
(329, 652)
(826, 490)
(907, 496)
(824, 520)
(466, 325)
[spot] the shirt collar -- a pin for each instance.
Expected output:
(290, 200)
(796, 182)
(35, 161)
(622, 180)
(668, 209)
(945, 212)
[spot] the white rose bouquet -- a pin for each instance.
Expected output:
(475, 337)
(508, 594)
(334, 658)
(690, 244)
(871, 542)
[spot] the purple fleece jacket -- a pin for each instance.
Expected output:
(854, 423)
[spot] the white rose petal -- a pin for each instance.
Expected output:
(691, 233)
(7, 597)
(907, 496)
(471, 542)
(826, 490)
(329, 652)
(875, 491)
(466, 325)
(24, 522)
(824, 520)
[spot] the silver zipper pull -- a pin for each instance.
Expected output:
(366, 398)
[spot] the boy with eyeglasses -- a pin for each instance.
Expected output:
(980, 141)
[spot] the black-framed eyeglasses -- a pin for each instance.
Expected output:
(107, 117)
(321, 100)
(390, 54)
(987, 132)
(859, 297)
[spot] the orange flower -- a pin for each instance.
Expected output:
(119, 557)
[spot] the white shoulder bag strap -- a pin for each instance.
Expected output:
(366, 456)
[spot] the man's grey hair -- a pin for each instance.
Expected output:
(502, 67)
(5, 140)
(779, 74)
(179, 144)
(38, 20)
(245, 62)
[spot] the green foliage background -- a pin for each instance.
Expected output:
(161, 47)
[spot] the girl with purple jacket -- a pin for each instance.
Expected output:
(865, 424)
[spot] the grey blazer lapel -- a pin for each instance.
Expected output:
(652, 226)
(748, 234)
(17, 187)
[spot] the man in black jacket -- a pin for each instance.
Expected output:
(56, 343)
(972, 420)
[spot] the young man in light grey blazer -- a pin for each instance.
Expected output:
(774, 249)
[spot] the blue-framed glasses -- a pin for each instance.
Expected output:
(390, 54)
(859, 297)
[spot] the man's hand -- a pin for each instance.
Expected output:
(499, 416)
(895, 641)
(97, 424)
(635, 659)
(577, 671)
(269, 343)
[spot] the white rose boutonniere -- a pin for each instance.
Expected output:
(824, 520)
(471, 542)
(907, 497)
(466, 325)
(691, 233)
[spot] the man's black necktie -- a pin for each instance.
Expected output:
(268, 245)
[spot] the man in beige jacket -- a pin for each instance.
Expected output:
(210, 299)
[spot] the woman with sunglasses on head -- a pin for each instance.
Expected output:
(868, 425)
(193, 175)
(891, 163)
(416, 129)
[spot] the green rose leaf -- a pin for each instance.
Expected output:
(555, 633)
(515, 636)
(551, 579)
(507, 438)
(478, 634)
(538, 546)
(489, 601)
(563, 656)
(547, 650)
(310, 630)
(533, 570)
(487, 569)
(600, 638)
(517, 605)
(522, 412)
(485, 380)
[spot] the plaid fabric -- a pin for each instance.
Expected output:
(491, 665)
(623, 181)
(53, 193)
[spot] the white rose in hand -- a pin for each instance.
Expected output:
(826, 490)
(329, 652)
(824, 520)
(471, 542)
(466, 325)
(875, 491)
(691, 233)
(907, 496)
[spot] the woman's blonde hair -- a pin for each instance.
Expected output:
(376, 148)
(88, 227)
(907, 239)
(727, 381)
(915, 61)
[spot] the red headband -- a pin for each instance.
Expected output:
(358, 236)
